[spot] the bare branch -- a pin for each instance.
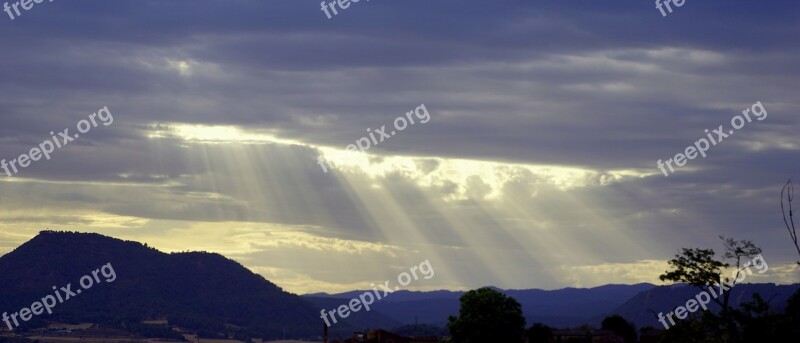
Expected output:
(787, 195)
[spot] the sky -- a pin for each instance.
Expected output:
(531, 161)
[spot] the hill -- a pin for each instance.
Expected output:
(197, 290)
(563, 308)
(560, 308)
(218, 297)
(642, 308)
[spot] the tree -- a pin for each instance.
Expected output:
(699, 268)
(487, 316)
(761, 324)
(758, 322)
(621, 327)
(787, 195)
(692, 330)
(540, 333)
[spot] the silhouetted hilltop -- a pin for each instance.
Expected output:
(196, 290)
(218, 297)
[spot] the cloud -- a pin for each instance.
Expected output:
(546, 122)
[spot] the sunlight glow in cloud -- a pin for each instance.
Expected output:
(214, 134)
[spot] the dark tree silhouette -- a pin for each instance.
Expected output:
(621, 327)
(698, 268)
(487, 315)
(540, 333)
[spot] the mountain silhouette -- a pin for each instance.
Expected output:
(560, 308)
(200, 291)
(643, 308)
(215, 296)
(563, 308)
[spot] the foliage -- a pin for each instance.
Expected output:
(699, 268)
(487, 315)
(539, 333)
(752, 322)
(621, 327)
(696, 267)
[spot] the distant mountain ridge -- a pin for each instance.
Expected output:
(219, 297)
(642, 308)
(561, 308)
